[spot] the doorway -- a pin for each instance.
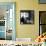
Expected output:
(42, 22)
(7, 21)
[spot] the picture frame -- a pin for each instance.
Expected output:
(26, 16)
(42, 1)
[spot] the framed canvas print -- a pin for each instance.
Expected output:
(7, 20)
(27, 17)
(42, 1)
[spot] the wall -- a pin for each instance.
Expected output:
(28, 31)
(24, 30)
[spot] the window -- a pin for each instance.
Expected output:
(7, 21)
(42, 22)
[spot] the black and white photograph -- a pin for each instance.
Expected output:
(26, 17)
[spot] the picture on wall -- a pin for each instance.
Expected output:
(42, 1)
(27, 17)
